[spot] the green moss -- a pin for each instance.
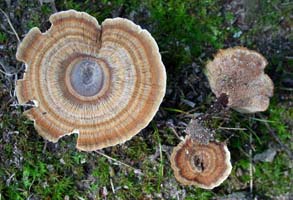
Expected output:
(269, 178)
(33, 174)
(274, 178)
(138, 150)
(184, 28)
(186, 32)
(34, 22)
(102, 172)
(278, 115)
(3, 37)
(60, 188)
(46, 9)
(199, 194)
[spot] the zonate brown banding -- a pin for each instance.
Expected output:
(203, 165)
(136, 105)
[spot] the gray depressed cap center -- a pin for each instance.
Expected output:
(87, 78)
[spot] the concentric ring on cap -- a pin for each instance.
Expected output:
(104, 82)
(203, 165)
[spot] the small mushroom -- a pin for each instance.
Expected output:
(203, 165)
(239, 73)
(104, 82)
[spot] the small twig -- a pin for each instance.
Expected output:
(15, 80)
(236, 129)
(228, 138)
(161, 156)
(29, 189)
(45, 147)
(30, 196)
(250, 166)
(287, 89)
(53, 6)
(175, 133)
(112, 186)
(7, 31)
(10, 24)
(115, 160)
(9, 179)
(12, 91)
(262, 120)
(244, 152)
(6, 74)
(156, 132)
(5, 70)
(286, 4)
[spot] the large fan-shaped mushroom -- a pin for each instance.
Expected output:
(104, 82)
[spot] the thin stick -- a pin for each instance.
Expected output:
(115, 160)
(5, 73)
(53, 6)
(156, 132)
(5, 70)
(175, 133)
(11, 92)
(287, 89)
(161, 156)
(112, 186)
(45, 147)
(10, 24)
(250, 166)
(15, 80)
(236, 129)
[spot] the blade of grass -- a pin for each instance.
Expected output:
(174, 110)
(161, 169)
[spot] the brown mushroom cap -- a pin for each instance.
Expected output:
(103, 82)
(239, 73)
(203, 165)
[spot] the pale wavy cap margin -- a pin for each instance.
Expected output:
(185, 181)
(23, 50)
(36, 33)
(157, 56)
(223, 52)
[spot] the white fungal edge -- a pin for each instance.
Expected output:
(226, 173)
